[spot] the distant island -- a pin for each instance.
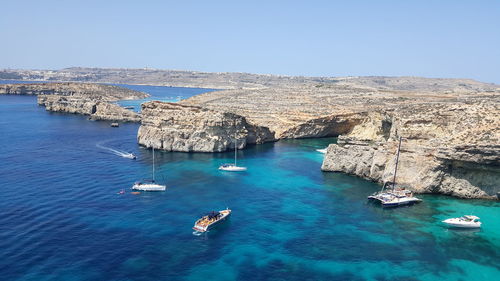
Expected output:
(450, 127)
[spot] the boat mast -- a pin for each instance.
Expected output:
(396, 166)
(235, 148)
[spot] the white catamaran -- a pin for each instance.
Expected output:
(394, 197)
(149, 185)
(233, 167)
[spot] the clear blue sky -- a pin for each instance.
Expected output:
(313, 38)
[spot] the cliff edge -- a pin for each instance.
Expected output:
(175, 127)
(95, 100)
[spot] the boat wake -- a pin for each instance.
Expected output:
(117, 152)
(197, 233)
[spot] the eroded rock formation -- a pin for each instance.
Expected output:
(176, 127)
(97, 110)
(447, 148)
(94, 100)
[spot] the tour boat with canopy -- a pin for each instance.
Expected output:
(210, 220)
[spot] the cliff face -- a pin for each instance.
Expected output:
(447, 148)
(175, 127)
(451, 126)
(80, 98)
(97, 110)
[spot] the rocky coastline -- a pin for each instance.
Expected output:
(94, 100)
(452, 150)
(176, 127)
(451, 127)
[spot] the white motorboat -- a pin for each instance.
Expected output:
(149, 185)
(233, 167)
(323, 150)
(464, 222)
(210, 220)
(129, 156)
(394, 197)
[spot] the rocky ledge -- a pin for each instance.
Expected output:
(94, 100)
(97, 110)
(175, 127)
(451, 149)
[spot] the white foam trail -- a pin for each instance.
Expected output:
(120, 153)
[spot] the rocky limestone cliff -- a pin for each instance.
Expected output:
(80, 98)
(450, 125)
(451, 149)
(97, 110)
(175, 127)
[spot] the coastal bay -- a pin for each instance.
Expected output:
(291, 221)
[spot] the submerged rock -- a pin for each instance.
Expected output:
(175, 127)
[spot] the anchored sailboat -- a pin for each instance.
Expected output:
(149, 185)
(233, 167)
(394, 197)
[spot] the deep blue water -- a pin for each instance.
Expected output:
(62, 219)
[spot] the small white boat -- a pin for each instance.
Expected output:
(323, 150)
(129, 156)
(464, 222)
(233, 167)
(115, 125)
(210, 220)
(149, 185)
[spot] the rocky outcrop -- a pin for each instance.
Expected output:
(84, 90)
(175, 127)
(97, 110)
(94, 100)
(451, 149)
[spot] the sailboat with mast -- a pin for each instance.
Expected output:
(233, 167)
(150, 184)
(394, 197)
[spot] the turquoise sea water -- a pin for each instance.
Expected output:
(161, 93)
(62, 219)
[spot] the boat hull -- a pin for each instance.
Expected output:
(389, 200)
(232, 168)
(149, 187)
(461, 224)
